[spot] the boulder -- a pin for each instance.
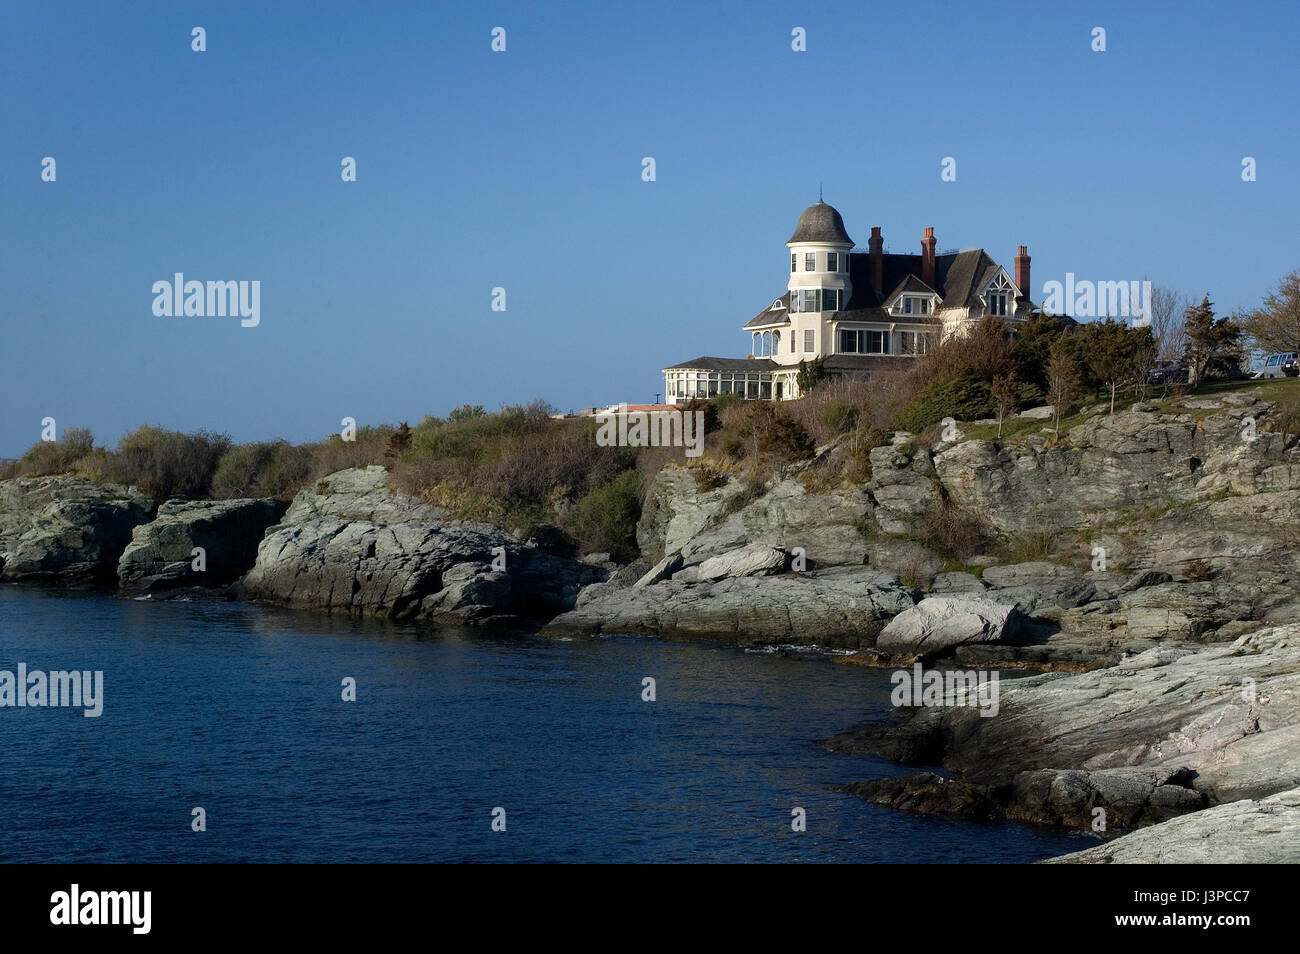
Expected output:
(660, 571)
(161, 555)
(938, 623)
(1042, 413)
(756, 559)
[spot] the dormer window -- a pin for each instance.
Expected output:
(810, 261)
(776, 305)
(999, 295)
(911, 305)
(832, 263)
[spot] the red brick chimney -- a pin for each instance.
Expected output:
(875, 248)
(927, 256)
(1022, 270)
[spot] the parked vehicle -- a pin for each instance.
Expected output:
(1169, 372)
(1285, 364)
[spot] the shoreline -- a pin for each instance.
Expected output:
(1156, 687)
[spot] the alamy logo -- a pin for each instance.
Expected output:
(56, 689)
(179, 298)
(951, 687)
(1087, 299)
(652, 429)
(74, 907)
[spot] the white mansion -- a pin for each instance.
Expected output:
(858, 311)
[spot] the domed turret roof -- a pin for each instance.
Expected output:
(820, 223)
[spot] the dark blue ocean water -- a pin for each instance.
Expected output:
(237, 708)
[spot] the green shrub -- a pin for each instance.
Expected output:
(466, 412)
(267, 469)
(962, 399)
(839, 418)
(604, 520)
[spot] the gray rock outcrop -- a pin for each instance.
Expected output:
(839, 607)
(1229, 713)
(352, 545)
(161, 554)
(66, 530)
(1248, 831)
(678, 517)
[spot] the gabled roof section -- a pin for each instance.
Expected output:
(910, 285)
(965, 277)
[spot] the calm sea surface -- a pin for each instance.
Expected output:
(237, 708)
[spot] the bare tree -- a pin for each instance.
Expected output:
(1063, 384)
(1167, 310)
(1005, 400)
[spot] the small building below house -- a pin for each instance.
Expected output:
(857, 312)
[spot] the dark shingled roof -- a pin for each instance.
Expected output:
(726, 364)
(954, 275)
(958, 278)
(769, 317)
(911, 284)
(820, 223)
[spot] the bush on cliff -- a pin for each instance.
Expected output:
(64, 456)
(165, 463)
(267, 469)
(604, 521)
(518, 467)
(960, 398)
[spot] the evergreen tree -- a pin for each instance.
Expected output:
(809, 374)
(1212, 344)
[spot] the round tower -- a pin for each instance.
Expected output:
(819, 281)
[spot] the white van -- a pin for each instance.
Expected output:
(1283, 365)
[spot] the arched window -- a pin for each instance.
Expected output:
(767, 343)
(754, 348)
(776, 342)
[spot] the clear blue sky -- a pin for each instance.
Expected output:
(523, 170)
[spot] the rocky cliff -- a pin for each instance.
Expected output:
(1146, 563)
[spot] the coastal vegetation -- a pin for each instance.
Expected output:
(535, 472)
